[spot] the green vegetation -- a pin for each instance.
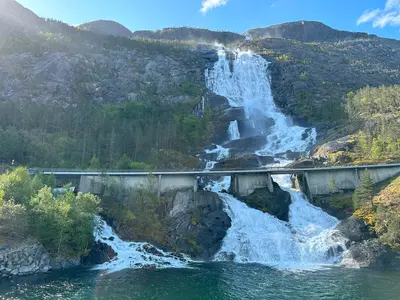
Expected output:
(138, 212)
(88, 135)
(364, 192)
(377, 110)
(383, 213)
(63, 224)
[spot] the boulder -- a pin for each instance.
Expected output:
(99, 254)
(250, 161)
(355, 229)
(304, 163)
(232, 114)
(276, 203)
(346, 143)
(216, 102)
(247, 145)
(370, 253)
(197, 223)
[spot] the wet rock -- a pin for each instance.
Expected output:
(370, 253)
(355, 229)
(99, 254)
(232, 114)
(197, 223)
(276, 203)
(152, 250)
(246, 145)
(244, 162)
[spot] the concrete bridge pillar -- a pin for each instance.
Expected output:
(302, 183)
(244, 184)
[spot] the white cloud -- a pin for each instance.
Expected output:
(368, 16)
(210, 4)
(389, 16)
(272, 5)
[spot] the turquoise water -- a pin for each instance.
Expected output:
(208, 281)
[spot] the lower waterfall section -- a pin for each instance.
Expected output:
(134, 255)
(306, 242)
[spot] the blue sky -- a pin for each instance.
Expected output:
(381, 17)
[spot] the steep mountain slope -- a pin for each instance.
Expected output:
(186, 33)
(310, 80)
(305, 31)
(106, 27)
(14, 17)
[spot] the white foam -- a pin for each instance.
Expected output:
(134, 255)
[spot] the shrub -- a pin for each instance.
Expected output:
(13, 222)
(16, 185)
(64, 225)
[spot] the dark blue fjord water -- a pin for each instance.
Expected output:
(208, 281)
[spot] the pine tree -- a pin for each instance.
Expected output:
(364, 193)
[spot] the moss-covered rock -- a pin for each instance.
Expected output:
(276, 203)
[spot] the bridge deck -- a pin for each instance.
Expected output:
(272, 171)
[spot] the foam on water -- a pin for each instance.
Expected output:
(134, 255)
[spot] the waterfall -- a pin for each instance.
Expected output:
(308, 239)
(233, 131)
(134, 255)
(249, 86)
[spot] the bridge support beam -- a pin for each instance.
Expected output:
(270, 184)
(244, 184)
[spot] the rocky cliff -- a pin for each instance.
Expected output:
(305, 31)
(190, 34)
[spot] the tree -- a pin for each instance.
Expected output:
(333, 186)
(364, 193)
(63, 225)
(94, 163)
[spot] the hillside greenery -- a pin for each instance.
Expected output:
(89, 135)
(383, 213)
(62, 223)
(377, 111)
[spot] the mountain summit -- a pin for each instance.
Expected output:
(107, 27)
(305, 31)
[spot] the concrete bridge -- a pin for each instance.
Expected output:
(311, 181)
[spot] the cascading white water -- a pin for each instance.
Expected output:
(233, 131)
(308, 239)
(248, 86)
(133, 255)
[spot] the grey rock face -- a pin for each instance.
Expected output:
(370, 253)
(197, 223)
(24, 260)
(102, 75)
(305, 31)
(276, 203)
(355, 229)
(346, 143)
(247, 145)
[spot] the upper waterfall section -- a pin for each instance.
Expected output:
(245, 82)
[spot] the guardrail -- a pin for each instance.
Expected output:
(272, 170)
